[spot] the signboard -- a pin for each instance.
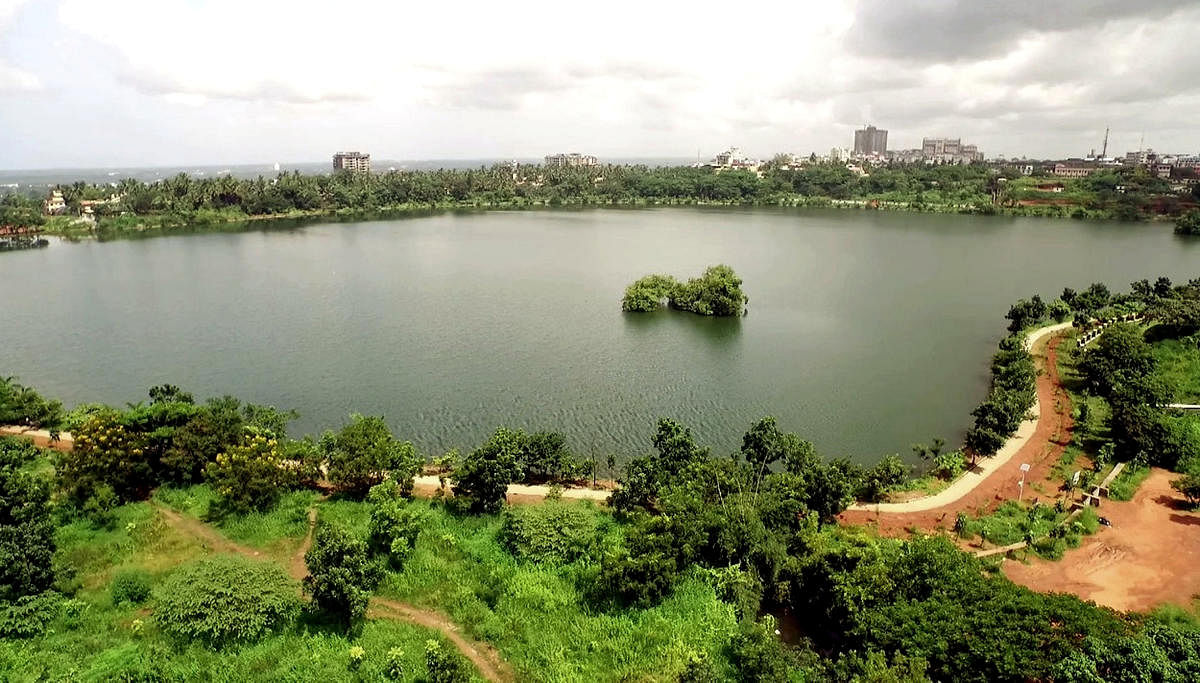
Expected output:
(1024, 467)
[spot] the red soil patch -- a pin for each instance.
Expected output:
(1043, 449)
(1148, 557)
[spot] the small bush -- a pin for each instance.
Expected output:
(393, 531)
(554, 532)
(445, 666)
(130, 585)
(28, 616)
(226, 599)
(394, 668)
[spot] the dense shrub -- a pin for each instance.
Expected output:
(1026, 312)
(553, 532)
(341, 576)
(226, 599)
(717, 292)
(1012, 394)
(881, 477)
(130, 585)
(29, 615)
(26, 526)
(648, 293)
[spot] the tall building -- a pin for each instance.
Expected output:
(949, 151)
(870, 140)
(356, 162)
(571, 159)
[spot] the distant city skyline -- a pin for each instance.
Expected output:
(86, 84)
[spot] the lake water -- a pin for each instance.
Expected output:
(867, 330)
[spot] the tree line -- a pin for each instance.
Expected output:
(1127, 193)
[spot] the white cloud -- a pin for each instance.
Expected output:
(621, 78)
(14, 79)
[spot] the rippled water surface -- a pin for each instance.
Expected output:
(867, 331)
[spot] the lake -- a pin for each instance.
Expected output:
(867, 331)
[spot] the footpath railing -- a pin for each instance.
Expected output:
(1097, 327)
(1087, 500)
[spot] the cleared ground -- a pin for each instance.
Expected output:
(1149, 556)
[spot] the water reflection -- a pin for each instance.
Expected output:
(718, 332)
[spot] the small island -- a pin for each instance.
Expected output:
(717, 292)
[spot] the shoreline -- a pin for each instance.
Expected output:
(167, 223)
(969, 480)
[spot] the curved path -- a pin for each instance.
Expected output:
(485, 658)
(1038, 443)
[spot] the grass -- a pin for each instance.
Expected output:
(1013, 521)
(276, 529)
(1127, 482)
(1179, 366)
(538, 616)
(93, 640)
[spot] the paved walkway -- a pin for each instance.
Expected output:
(985, 467)
(427, 484)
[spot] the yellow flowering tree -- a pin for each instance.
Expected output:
(106, 454)
(250, 475)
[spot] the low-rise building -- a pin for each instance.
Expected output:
(55, 205)
(571, 159)
(1074, 169)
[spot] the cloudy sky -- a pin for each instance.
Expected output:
(146, 82)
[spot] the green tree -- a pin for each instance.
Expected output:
(341, 575)
(1121, 355)
(1188, 224)
(481, 480)
(394, 525)
(364, 452)
(648, 293)
(20, 405)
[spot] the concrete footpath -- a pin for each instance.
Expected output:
(984, 467)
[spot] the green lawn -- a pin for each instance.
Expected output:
(1179, 366)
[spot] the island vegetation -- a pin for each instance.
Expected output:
(166, 542)
(718, 292)
(184, 202)
(1188, 224)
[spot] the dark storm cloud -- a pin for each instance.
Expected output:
(953, 30)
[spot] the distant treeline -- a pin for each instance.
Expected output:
(977, 188)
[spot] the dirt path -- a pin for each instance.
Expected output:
(1148, 557)
(485, 657)
(1041, 450)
